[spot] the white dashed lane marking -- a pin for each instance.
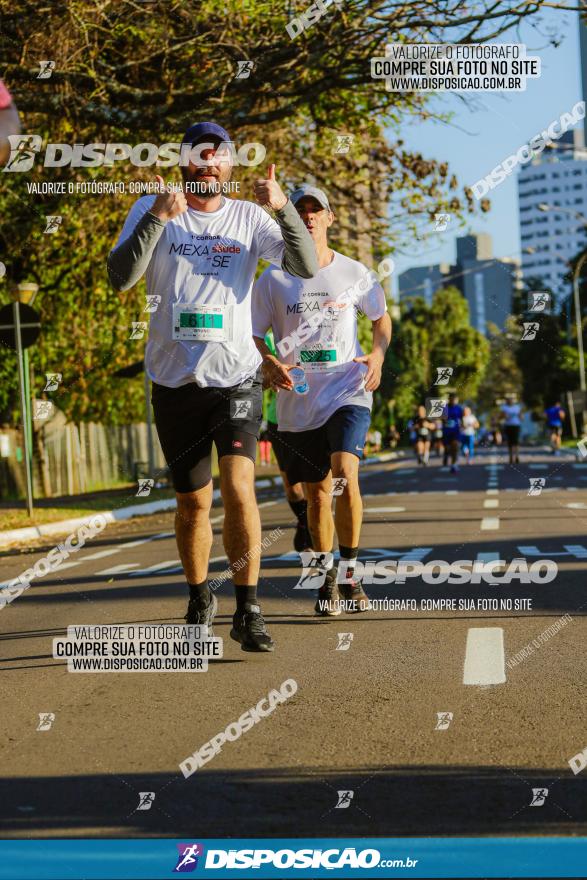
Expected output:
(489, 523)
(491, 502)
(117, 569)
(484, 657)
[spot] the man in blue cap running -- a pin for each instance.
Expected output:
(199, 252)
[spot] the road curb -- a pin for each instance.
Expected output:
(63, 526)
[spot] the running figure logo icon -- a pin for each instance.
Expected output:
(443, 720)
(153, 300)
(344, 800)
(344, 641)
(537, 484)
(53, 222)
(47, 68)
(187, 860)
(22, 151)
(244, 69)
(344, 142)
(539, 796)
(539, 301)
(53, 381)
(241, 408)
(42, 409)
(441, 222)
(530, 331)
(338, 486)
(443, 375)
(435, 407)
(138, 329)
(46, 720)
(145, 487)
(146, 800)
(314, 568)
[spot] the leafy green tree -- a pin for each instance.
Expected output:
(548, 364)
(435, 336)
(503, 374)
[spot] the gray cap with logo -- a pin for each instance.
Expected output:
(306, 190)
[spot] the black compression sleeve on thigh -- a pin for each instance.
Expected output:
(231, 442)
(186, 479)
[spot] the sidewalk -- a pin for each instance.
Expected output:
(114, 507)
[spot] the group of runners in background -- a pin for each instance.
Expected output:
(458, 430)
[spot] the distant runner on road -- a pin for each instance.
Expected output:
(451, 431)
(470, 427)
(325, 387)
(512, 422)
(555, 416)
(199, 251)
(423, 426)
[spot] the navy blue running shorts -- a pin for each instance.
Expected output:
(307, 454)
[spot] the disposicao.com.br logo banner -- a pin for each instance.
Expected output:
(281, 857)
(272, 858)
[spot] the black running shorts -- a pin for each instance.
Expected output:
(189, 419)
(512, 434)
(279, 447)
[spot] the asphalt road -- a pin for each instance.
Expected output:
(364, 719)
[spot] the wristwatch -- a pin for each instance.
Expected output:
(5, 97)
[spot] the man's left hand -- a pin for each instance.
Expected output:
(268, 192)
(374, 362)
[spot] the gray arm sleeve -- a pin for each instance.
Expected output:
(300, 253)
(128, 262)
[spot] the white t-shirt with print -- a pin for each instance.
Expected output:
(469, 423)
(284, 303)
(205, 259)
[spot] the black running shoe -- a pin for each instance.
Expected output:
(202, 615)
(328, 601)
(355, 597)
(248, 628)
(302, 539)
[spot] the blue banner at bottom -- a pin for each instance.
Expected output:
(273, 858)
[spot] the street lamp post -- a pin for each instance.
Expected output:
(25, 294)
(576, 292)
(576, 282)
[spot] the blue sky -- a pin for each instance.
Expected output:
(479, 140)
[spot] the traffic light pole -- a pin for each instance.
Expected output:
(24, 410)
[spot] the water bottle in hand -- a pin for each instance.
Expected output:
(298, 377)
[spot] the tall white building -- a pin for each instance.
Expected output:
(557, 178)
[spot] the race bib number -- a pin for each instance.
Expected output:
(317, 359)
(196, 323)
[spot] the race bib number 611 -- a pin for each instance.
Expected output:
(197, 323)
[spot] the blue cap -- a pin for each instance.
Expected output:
(200, 130)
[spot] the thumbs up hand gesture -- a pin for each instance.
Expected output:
(168, 205)
(268, 192)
